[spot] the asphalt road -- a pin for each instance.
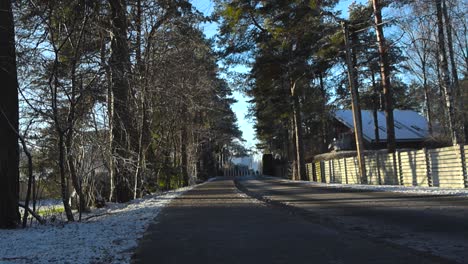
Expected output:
(432, 224)
(216, 223)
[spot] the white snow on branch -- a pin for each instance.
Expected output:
(110, 235)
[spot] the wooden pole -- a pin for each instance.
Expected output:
(354, 106)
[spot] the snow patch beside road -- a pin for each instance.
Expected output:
(110, 234)
(396, 188)
(384, 188)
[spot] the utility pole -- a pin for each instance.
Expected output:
(354, 106)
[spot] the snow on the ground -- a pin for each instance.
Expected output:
(107, 235)
(47, 203)
(385, 188)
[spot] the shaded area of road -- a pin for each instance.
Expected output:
(215, 223)
(433, 224)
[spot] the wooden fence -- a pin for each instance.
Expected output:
(234, 171)
(443, 167)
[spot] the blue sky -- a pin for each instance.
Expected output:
(241, 107)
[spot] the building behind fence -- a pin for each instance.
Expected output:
(442, 167)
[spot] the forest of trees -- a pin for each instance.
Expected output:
(117, 99)
(402, 55)
(109, 100)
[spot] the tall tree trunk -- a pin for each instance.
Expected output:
(108, 155)
(183, 153)
(458, 123)
(120, 71)
(70, 159)
(448, 27)
(385, 76)
(138, 173)
(64, 185)
(54, 85)
(324, 117)
(375, 99)
(30, 181)
(138, 37)
(354, 107)
(69, 138)
(427, 96)
(292, 153)
(354, 51)
(300, 162)
(9, 152)
(445, 75)
(110, 135)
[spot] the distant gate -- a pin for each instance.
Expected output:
(236, 171)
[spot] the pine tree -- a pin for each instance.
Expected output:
(9, 151)
(385, 75)
(285, 38)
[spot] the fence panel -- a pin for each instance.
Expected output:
(443, 167)
(326, 171)
(318, 171)
(352, 171)
(332, 171)
(446, 167)
(387, 165)
(414, 168)
(372, 169)
(338, 170)
(343, 170)
(309, 171)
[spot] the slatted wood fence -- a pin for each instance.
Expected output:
(235, 171)
(442, 167)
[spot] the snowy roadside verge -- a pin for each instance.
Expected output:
(382, 188)
(110, 234)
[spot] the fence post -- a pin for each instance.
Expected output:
(334, 170)
(400, 169)
(395, 167)
(428, 167)
(463, 163)
(314, 172)
(322, 171)
(377, 161)
(345, 170)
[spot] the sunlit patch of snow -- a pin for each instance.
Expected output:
(106, 235)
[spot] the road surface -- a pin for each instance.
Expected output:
(433, 224)
(217, 223)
